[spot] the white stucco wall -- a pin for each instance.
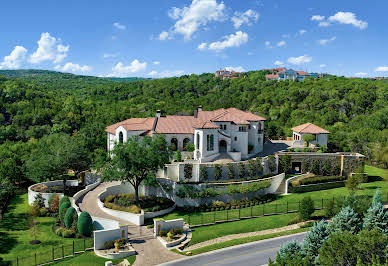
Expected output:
(321, 139)
(180, 138)
(167, 225)
(32, 194)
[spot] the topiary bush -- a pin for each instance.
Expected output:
(306, 208)
(63, 200)
(85, 224)
(69, 216)
(62, 210)
(54, 203)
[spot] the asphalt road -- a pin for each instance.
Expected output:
(255, 253)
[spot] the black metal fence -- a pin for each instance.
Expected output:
(54, 253)
(213, 217)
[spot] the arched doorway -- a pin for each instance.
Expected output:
(174, 144)
(222, 146)
(186, 141)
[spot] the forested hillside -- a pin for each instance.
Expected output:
(33, 106)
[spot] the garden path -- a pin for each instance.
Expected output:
(150, 250)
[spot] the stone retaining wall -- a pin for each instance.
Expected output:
(32, 194)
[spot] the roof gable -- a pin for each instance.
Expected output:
(309, 128)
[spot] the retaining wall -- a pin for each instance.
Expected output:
(32, 194)
(160, 224)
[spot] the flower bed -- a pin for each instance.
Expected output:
(126, 202)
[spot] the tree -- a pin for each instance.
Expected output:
(308, 138)
(346, 220)
(306, 208)
(352, 182)
(285, 163)
(289, 249)
(231, 173)
(54, 204)
(314, 240)
(376, 216)
(380, 153)
(55, 155)
(178, 155)
(136, 160)
(316, 167)
(34, 231)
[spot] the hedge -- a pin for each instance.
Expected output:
(69, 217)
(63, 200)
(85, 224)
(315, 187)
(317, 180)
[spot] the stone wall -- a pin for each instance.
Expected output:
(32, 194)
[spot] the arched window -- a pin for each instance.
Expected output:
(121, 137)
(210, 142)
(174, 144)
(198, 139)
(186, 141)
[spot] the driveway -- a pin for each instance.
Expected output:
(255, 253)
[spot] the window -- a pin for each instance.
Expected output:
(235, 138)
(198, 139)
(186, 141)
(242, 128)
(121, 137)
(174, 144)
(210, 142)
(249, 127)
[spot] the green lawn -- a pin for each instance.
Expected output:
(90, 259)
(15, 238)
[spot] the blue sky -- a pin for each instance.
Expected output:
(167, 38)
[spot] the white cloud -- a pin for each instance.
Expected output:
(120, 70)
(348, 18)
(108, 55)
(268, 44)
(326, 41)
(301, 32)
(322, 65)
(49, 49)
(317, 18)
(286, 36)
(232, 40)
(300, 60)
(382, 69)
(156, 62)
(278, 63)
(166, 73)
(71, 67)
(240, 18)
(14, 59)
(119, 26)
(324, 24)
(164, 35)
(360, 74)
(281, 43)
(237, 69)
(191, 18)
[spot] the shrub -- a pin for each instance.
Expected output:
(259, 166)
(203, 173)
(190, 147)
(346, 220)
(316, 180)
(377, 215)
(306, 208)
(109, 244)
(53, 202)
(252, 168)
(59, 231)
(39, 201)
(74, 224)
(289, 249)
(68, 233)
(326, 168)
(305, 166)
(241, 170)
(62, 210)
(217, 172)
(63, 200)
(316, 167)
(85, 224)
(272, 163)
(308, 138)
(178, 155)
(188, 171)
(285, 163)
(352, 182)
(34, 211)
(69, 215)
(43, 212)
(336, 170)
(314, 239)
(330, 209)
(217, 204)
(230, 170)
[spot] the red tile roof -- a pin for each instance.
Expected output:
(175, 124)
(309, 128)
(271, 76)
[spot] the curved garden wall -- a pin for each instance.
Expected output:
(32, 194)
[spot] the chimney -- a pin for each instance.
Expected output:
(199, 109)
(158, 113)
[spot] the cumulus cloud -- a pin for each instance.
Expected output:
(301, 32)
(300, 60)
(317, 18)
(324, 24)
(49, 49)
(232, 40)
(121, 70)
(278, 63)
(119, 26)
(74, 68)
(164, 36)
(156, 62)
(360, 74)
(108, 55)
(166, 73)
(348, 18)
(14, 59)
(382, 69)
(281, 43)
(268, 44)
(326, 41)
(239, 18)
(190, 19)
(237, 69)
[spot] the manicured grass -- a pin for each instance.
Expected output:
(240, 241)
(90, 259)
(204, 233)
(15, 238)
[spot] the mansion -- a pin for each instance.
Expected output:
(229, 132)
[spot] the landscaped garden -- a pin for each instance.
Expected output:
(127, 202)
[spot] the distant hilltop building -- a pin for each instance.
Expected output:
(282, 73)
(227, 74)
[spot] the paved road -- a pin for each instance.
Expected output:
(256, 253)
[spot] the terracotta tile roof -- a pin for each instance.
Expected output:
(302, 73)
(175, 124)
(205, 124)
(271, 76)
(132, 124)
(310, 129)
